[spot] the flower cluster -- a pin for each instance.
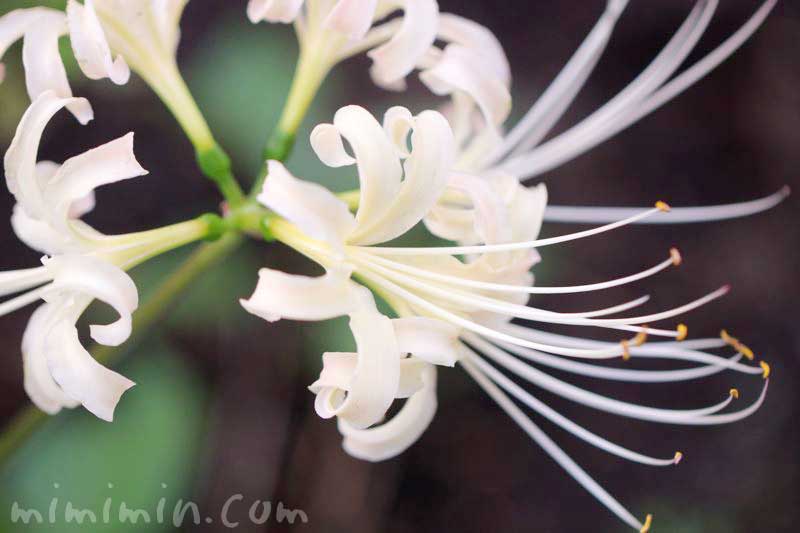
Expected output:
(458, 171)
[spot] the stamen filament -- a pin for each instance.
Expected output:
(678, 215)
(500, 287)
(546, 411)
(510, 247)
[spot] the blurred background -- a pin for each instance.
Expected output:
(221, 407)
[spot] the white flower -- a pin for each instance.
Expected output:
(83, 264)
(478, 298)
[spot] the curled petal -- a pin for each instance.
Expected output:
(479, 39)
(90, 46)
(79, 176)
(375, 380)
(379, 171)
(337, 374)
(285, 296)
(460, 71)
(398, 123)
(397, 58)
(426, 173)
(97, 279)
(313, 208)
(433, 341)
(273, 10)
(21, 157)
(44, 69)
(397, 435)
(352, 17)
(40, 386)
(526, 211)
(77, 373)
(329, 146)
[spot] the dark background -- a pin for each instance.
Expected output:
(221, 407)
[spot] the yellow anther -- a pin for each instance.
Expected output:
(683, 332)
(647, 523)
(640, 337)
(677, 259)
(626, 350)
(737, 345)
(678, 457)
(766, 369)
(663, 206)
(747, 352)
(735, 394)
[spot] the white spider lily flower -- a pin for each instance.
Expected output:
(41, 29)
(83, 264)
(479, 298)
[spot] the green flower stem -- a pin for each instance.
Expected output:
(149, 315)
(169, 85)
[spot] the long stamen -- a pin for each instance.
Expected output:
(674, 260)
(677, 215)
(14, 281)
(577, 141)
(579, 138)
(22, 300)
(550, 447)
(661, 207)
(719, 293)
(560, 420)
(563, 90)
(663, 350)
(434, 310)
(616, 374)
(591, 399)
(519, 311)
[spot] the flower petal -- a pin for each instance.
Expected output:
(21, 157)
(376, 378)
(426, 175)
(329, 146)
(397, 58)
(79, 176)
(90, 46)
(479, 39)
(43, 391)
(526, 212)
(379, 171)
(44, 68)
(312, 207)
(459, 70)
(337, 374)
(285, 296)
(274, 10)
(402, 431)
(433, 341)
(76, 371)
(352, 17)
(97, 279)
